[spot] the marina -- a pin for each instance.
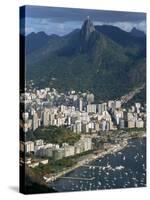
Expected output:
(78, 178)
(122, 169)
(99, 154)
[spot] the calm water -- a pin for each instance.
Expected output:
(126, 168)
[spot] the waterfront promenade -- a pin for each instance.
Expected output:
(86, 161)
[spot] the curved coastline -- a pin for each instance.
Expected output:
(99, 154)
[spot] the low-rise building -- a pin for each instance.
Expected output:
(44, 161)
(139, 123)
(39, 142)
(121, 123)
(131, 123)
(34, 164)
(29, 146)
(69, 150)
(58, 154)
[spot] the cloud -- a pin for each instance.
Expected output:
(65, 14)
(127, 26)
(61, 28)
(49, 26)
(61, 21)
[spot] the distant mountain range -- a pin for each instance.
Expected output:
(102, 59)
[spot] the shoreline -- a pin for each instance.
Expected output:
(113, 149)
(100, 154)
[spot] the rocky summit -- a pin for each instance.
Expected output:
(104, 59)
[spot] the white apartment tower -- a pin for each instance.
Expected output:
(80, 105)
(46, 118)
(35, 121)
(91, 108)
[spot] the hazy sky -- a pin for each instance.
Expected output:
(61, 21)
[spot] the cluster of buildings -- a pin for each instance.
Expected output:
(35, 162)
(77, 111)
(55, 151)
(134, 117)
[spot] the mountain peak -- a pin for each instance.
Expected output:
(136, 32)
(87, 28)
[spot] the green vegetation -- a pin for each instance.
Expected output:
(58, 165)
(110, 64)
(53, 134)
(135, 130)
(54, 166)
(33, 187)
(140, 97)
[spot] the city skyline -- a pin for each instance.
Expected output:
(83, 101)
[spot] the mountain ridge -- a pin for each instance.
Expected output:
(91, 58)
